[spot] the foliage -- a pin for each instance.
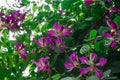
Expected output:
(60, 39)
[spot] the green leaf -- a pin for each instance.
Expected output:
(84, 49)
(117, 20)
(94, 77)
(107, 73)
(34, 8)
(99, 46)
(25, 2)
(93, 34)
(68, 78)
(103, 28)
(56, 77)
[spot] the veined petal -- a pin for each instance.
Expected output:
(113, 44)
(69, 65)
(94, 56)
(108, 1)
(98, 72)
(51, 33)
(88, 2)
(85, 70)
(108, 35)
(55, 25)
(102, 62)
(84, 59)
(73, 56)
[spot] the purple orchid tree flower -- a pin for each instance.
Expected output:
(92, 66)
(42, 65)
(113, 35)
(60, 30)
(88, 2)
(59, 44)
(73, 62)
(13, 20)
(114, 9)
(21, 50)
(41, 41)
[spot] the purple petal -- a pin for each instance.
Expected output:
(51, 33)
(108, 35)
(98, 72)
(112, 24)
(59, 40)
(73, 56)
(94, 56)
(88, 2)
(55, 25)
(108, 1)
(113, 44)
(102, 62)
(114, 9)
(69, 65)
(85, 70)
(83, 59)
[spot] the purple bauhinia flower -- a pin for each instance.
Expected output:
(41, 41)
(21, 50)
(60, 30)
(57, 43)
(13, 20)
(114, 35)
(91, 64)
(61, 11)
(73, 62)
(114, 9)
(88, 2)
(42, 65)
(108, 1)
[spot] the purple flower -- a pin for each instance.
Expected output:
(113, 35)
(108, 1)
(41, 41)
(60, 30)
(114, 9)
(21, 50)
(13, 20)
(42, 65)
(73, 62)
(61, 11)
(88, 2)
(57, 43)
(92, 66)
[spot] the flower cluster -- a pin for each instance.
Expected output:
(54, 38)
(13, 20)
(21, 50)
(90, 61)
(42, 66)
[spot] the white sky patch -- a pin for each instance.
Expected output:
(26, 72)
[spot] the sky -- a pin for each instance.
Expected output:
(3, 3)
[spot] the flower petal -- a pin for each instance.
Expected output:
(85, 70)
(113, 44)
(73, 56)
(102, 62)
(51, 33)
(93, 56)
(83, 59)
(98, 72)
(69, 65)
(108, 35)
